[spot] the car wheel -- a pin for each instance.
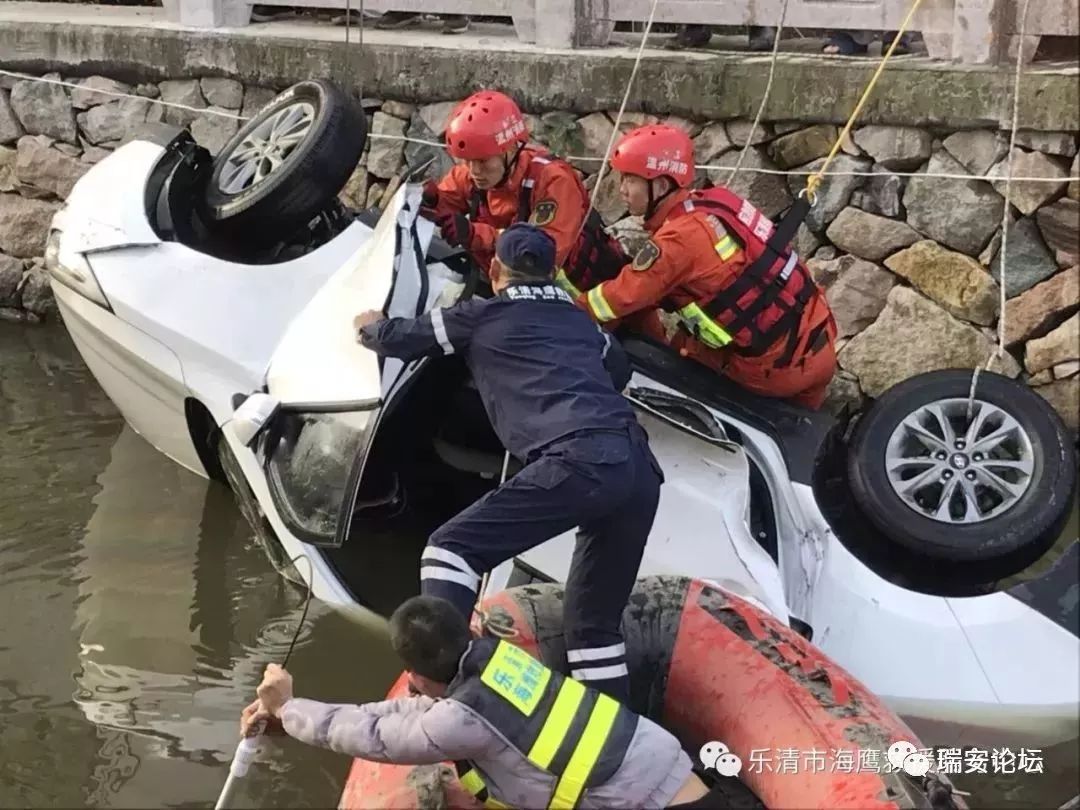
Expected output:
(983, 492)
(253, 514)
(287, 163)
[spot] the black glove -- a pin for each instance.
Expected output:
(430, 198)
(456, 229)
(429, 201)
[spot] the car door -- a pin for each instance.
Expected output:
(331, 389)
(705, 517)
(701, 527)
(319, 362)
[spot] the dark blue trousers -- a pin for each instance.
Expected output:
(605, 483)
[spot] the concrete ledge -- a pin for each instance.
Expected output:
(138, 45)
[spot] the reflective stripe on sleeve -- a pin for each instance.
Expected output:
(599, 305)
(439, 328)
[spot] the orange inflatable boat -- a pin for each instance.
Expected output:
(708, 666)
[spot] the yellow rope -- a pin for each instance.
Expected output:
(814, 180)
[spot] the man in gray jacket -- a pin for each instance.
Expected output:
(518, 732)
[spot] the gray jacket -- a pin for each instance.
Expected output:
(421, 731)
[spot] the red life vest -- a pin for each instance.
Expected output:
(595, 257)
(766, 301)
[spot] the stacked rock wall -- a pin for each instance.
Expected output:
(911, 265)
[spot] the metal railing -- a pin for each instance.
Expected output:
(969, 31)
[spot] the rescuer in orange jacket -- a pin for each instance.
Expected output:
(501, 181)
(751, 313)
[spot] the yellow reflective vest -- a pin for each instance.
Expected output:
(577, 734)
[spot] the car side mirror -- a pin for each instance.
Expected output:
(252, 416)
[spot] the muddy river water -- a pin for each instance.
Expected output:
(137, 614)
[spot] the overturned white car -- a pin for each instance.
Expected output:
(213, 300)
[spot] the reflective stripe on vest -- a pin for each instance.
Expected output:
(726, 247)
(701, 326)
(519, 678)
(471, 780)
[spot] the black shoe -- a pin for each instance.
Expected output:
(762, 38)
(455, 24)
(271, 13)
(691, 36)
(393, 20)
(841, 43)
(355, 18)
(903, 47)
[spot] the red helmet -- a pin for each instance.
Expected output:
(657, 150)
(484, 125)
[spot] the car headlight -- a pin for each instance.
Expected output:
(72, 270)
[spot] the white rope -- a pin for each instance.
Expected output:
(764, 97)
(619, 115)
(1009, 180)
(999, 351)
(588, 158)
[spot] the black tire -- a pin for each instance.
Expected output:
(308, 179)
(1000, 545)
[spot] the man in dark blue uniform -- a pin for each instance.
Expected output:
(550, 381)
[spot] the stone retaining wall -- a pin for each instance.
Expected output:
(910, 265)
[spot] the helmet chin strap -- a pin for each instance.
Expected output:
(508, 164)
(654, 201)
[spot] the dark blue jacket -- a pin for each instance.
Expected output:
(543, 368)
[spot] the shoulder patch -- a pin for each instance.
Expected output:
(646, 256)
(544, 212)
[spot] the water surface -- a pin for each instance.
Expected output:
(137, 614)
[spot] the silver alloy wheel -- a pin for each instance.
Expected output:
(957, 470)
(265, 148)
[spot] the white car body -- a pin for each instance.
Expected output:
(182, 326)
